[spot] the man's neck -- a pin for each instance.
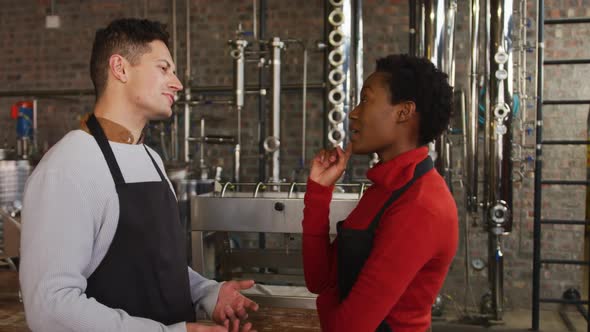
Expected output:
(121, 115)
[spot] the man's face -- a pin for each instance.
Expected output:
(152, 83)
(373, 122)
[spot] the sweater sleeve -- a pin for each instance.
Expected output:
(319, 258)
(58, 232)
(204, 292)
(401, 248)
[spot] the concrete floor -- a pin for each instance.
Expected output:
(12, 318)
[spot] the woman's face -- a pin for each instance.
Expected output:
(374, 122)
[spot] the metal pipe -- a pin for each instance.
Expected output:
(500, 129)
(187, 90)
(34, 138)
(174, 129)
(239, 85)
(304, 109)
(202, 165)
(413, 28)
(261, 96)
(540, 49)
(254, 25)
(437, 43)
(471, 143)
(274, 140)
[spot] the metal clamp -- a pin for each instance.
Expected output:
(258, 185)
(225, 188)
(499, 213)
(291, 189)
(271, 144)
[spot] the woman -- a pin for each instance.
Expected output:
(392, 253)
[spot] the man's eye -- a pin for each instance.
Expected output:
(164, 69)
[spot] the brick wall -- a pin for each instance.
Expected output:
(34, 58)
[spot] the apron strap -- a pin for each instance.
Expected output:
(422, 168)
(155, 164)
(105, 147)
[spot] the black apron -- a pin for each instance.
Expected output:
(354, 245)
(144, 271)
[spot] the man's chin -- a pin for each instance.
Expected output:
(162, 115)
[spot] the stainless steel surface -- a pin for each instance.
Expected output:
(225, 228)
(500, 108)
(438, 32)
(498, 203)
(240, 212)
(13, 176)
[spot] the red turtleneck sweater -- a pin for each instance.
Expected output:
(413, 248)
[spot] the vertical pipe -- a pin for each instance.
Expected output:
(187, 90)
(174, 129)
(538, 165)
(471, 159)
(304, 109)
(501, 92)
(277, 45)
(261, 96)
(413, 28)
(34, 138)
(239, 86)
(254, 23)
(202, 166)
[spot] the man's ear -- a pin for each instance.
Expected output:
(118, 67)
(406, 111)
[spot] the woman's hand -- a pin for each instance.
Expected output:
(327, 166)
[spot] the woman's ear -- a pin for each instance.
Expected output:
(406, 111)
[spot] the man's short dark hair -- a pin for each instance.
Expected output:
(418, 80)
(128, 37)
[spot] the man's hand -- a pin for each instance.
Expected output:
(232, 306)
(327, 166)
(194, 327)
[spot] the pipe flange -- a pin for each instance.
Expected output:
(336, 58)
(336, 116)
(336, 135)
(336, 17)
(336, 76)
(501, 74)
(501, 57)
(499, 213)
(271, 144)
(336, 96)
(336, 38)
(501, 111)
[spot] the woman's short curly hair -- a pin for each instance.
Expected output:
(418, 80)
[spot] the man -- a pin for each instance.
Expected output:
(102, 244)
(392, 253)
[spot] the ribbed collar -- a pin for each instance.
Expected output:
(395, 173)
